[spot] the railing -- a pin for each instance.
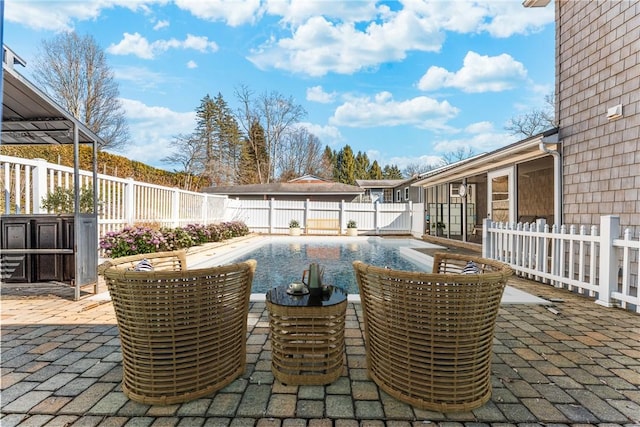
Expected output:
(273, 216)
(604, 266)
(123, 201)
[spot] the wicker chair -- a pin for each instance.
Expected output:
(429, 336)
(182, 332)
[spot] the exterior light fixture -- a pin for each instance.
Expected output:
(614, 112)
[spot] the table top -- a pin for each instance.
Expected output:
(280, 296)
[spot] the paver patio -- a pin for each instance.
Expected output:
(569, 363)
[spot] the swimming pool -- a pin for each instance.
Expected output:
(282, 260)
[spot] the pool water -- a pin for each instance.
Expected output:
(283, 260)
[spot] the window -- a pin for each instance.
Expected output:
(406, 194)
(398, 196)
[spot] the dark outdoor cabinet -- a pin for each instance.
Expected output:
(37, 232)
(47, 233)
(68, 261)
(15, 234)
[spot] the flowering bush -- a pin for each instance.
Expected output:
(198, 233)
(142, 239)
(176, 238)
(133, 240)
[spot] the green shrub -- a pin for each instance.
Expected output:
(61, 200)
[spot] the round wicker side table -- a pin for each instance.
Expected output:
(307, 335)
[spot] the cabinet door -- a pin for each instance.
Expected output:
(16, 234)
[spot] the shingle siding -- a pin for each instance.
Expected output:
(598, 66)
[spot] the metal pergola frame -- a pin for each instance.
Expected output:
(30, 116)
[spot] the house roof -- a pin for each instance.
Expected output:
(521, 151)
(382, 183)
(309, 178)
(287, 188)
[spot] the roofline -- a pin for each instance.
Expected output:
(284, 193)
(489, 161)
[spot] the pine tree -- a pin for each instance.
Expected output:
(391, 172)
(374, 171)
(219, 137)
(346, 166)
(362, 166)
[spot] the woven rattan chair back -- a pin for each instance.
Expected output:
(171, 261)
(183, 333)
(428, 336)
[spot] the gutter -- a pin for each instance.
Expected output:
(553, 139)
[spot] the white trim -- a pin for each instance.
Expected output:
(510, 174)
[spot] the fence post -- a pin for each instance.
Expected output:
(39, 178)
(129, 201)
(342, 217)
(307, 212)
(175, 207)
(376, 218)
(540, 248)
(486, 237)
(272, 215)
(205, 209)
(608, 278)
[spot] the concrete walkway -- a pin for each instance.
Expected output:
(568, 363)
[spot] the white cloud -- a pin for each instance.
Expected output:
(40, 15)
(295, 12)
(161, 24)
(152, 131)
(192, 64)
(508, 18)
(403, 161)
(479, 73)
(135, 44)
(144, 78)
(132, 44)
(232, 12)
(328, 135)
(320, 46)
(479, 127)
(478, 142)
(355, 36)
(317, 94)
(422, 112)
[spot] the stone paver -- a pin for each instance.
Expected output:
(61, 366)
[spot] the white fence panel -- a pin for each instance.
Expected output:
(364, 214)
(578, 259)
(417, 220)
(394, 217)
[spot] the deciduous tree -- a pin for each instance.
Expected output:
(73, 70)
(534, 122)
(276, 114)
(301, 154)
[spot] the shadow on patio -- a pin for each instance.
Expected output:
(572, 362)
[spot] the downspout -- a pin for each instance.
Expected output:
(557, 174)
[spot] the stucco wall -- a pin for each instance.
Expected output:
(598, 66)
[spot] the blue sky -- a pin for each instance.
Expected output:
(402, 81)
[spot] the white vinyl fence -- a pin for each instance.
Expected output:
(124, 201)
(604, 265)
(600, 265)
(273, 216)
